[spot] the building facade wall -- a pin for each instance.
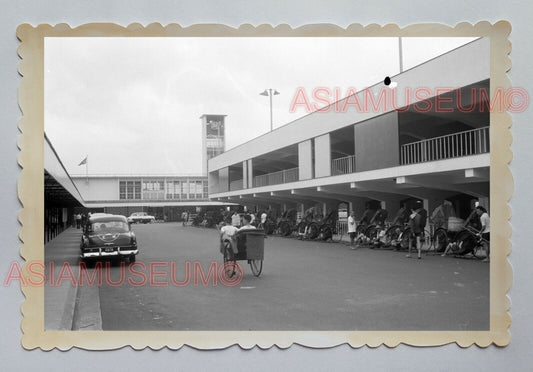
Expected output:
(223, 179)
(470, 63)
(98, 188)
(377, 143)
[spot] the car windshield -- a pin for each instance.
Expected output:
(109, 227)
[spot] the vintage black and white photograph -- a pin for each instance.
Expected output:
(244, 184)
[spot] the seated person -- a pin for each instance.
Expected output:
(442, 213)
(379, 217)
(367, 215)
(247, 223)
(402, 216)
(227, 233)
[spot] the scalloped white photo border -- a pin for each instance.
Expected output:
(31, 184)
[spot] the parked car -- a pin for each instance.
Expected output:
(108, 236)
(141, 217)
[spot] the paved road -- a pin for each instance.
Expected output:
(304, 286)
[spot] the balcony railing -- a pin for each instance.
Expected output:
(471, 142)
(284, 176)
(344, 165)
(235, 185)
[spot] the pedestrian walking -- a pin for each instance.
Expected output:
(484, 233)
(351, 229)
(418, 223)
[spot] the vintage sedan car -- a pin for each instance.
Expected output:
(141, 217)
(109, 237)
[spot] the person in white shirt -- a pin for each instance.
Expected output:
(227, 233)
(351, 228)
(236, 219)
(485, 229)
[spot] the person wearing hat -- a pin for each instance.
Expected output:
(417, 223)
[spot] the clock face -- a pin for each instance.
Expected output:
(215, 127)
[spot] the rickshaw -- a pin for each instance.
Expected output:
(287, 222)
(250, 247)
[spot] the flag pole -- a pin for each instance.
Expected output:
(87, 170)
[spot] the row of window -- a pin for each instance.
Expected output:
(156, 190)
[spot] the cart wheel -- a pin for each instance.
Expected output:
(229, 260)
(466, 242)
(392, 234)
(371, 232)
(479, 250)
(326, 233)
(285, 229)
(440, 240)
(301, 229)
(313, 230)
(404, 238)
(256, 266)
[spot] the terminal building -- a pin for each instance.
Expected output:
(427, 139)
(165, 197)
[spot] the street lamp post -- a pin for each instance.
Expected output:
(270, 92)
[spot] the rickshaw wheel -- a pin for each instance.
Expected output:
(313, 231)
(229, 260)
(371, 232)
(301, 228)
(326, 233)
(466, 242)
(392, 234)
(285, 229)
(405, 237)
(440, 239)
(256, 266)
(479, 251)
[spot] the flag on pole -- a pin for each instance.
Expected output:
(84, 161)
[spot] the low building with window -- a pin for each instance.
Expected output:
(165, 197)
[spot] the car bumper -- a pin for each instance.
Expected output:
(122, 252)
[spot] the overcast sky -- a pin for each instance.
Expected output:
(133, 104)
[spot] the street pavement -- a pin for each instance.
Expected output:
(305, 285)
(61, 255)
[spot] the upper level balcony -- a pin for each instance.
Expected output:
(236, 185)
(276, 178)
(471, 142)
(343, 165)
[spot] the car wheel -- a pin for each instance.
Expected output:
(132, 258)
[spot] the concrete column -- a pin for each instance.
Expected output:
(305, 161)
(250, 173)
(245, 175)
(322, 156)
(426, 207)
